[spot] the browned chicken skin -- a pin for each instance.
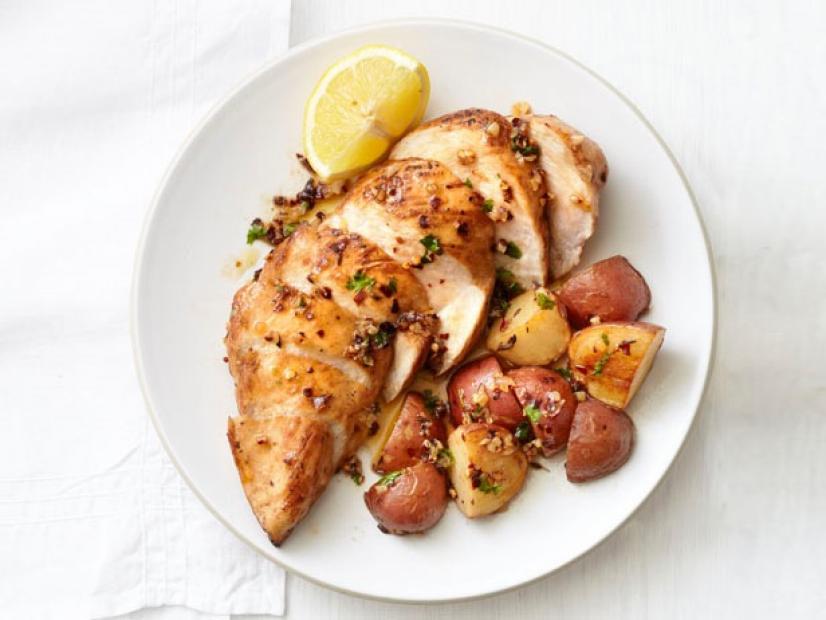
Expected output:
(423, 216)
(575, 171)
(303, 392)
(476, 146)
(403, 270)
(328, 259)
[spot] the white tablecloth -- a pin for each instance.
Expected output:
(95, 97)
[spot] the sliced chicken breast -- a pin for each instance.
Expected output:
(306, 373)
(575, 170)
(476, 146)
(424, 217)
(366, 282)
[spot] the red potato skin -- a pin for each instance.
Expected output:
(503, 406)
(600, 442)
(610, 289)
(414, 425)
(413, 503)
(534, 384)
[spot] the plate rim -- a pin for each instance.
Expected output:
(302, 48)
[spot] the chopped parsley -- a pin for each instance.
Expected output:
(432, 247)
(606, 355)
(544, 302)
(444, 457)
(430, 401)
(523, 432)
(487, 205)
(507, 281)
(485, 486)
(605, 340)
(565, 372)
(505, 289)
(468, 183)
(513, 250)
(381, 338)
(519, 146)
(532, 412)
(289, 229)
(256, 231)
(357, 477)
(393, 285)
(388, 480)
(360, 281)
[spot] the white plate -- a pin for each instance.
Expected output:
(221, 180)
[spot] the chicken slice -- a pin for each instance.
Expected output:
(476, 146)
(366, 282)
(423, 216)
(306, 373)
(575, 171)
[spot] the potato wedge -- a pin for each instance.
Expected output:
(488, 468)
(480, 392)
(534, 330)
(409, 500)
(610, 289)
(548, 402)
(600, 441)
(417, 424)
(612, 359)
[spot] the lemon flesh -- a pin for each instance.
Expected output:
(360, 107)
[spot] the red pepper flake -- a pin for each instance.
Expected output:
(435, 202)
(503, 325)
(394, 307)
(625, 346)
(320, 333)
(424, 222)
(226, 359)
(360, 297)
(307, 392)
(462, 228)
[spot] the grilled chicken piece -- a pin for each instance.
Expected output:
(366, 282)
(575, 171)
(476, 145)
(427, 219)
(302, 397)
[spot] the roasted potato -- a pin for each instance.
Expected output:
(600, 441)
(610, 289)
(488, 468)
(612, 359)
(534, 330)
(417, 424)
(548, 401)
(480, 391)
(409, 500)
(384, 424)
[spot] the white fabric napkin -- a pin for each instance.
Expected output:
(95, 98)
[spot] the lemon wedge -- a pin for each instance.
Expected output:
(360, 107)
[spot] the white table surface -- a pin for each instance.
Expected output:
(738, 527)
